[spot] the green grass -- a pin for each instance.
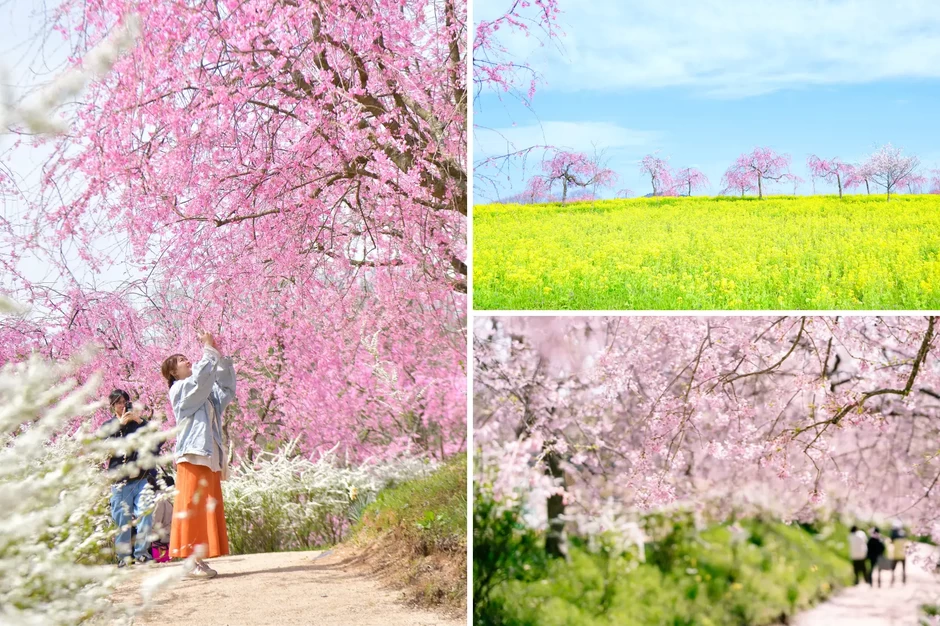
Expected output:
(430, 511)
(778, 571)
(416, 533)
(802, 253)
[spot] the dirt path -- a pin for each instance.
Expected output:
(285, 588)
(878, 606)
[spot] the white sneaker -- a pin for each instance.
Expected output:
(201, 571)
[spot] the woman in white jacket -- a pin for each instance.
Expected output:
(199, 394)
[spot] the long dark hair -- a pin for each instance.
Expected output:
(169, 366)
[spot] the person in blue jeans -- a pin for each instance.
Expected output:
(132, 493)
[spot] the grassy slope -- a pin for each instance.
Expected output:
(416, 535)
(778, 571)
(710, 253)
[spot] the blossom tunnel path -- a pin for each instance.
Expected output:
(283, 588)
(888, 605)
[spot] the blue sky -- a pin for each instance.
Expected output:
(703, 82)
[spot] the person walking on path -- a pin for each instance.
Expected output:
(876, 550)
(899, 543)
(858, 552)
(131, 494)
(199, 395)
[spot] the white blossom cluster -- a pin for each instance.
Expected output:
(284, 501)
(36, 112)
(611, 529)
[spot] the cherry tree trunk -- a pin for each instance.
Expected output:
(555, 544)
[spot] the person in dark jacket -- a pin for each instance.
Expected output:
(876, 549)
(131, 493)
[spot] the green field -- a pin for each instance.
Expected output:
(792, 253)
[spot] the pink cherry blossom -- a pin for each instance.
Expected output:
(756, 167)
(790, 415)
(538, 189)
(844, 175)
(690, 178)
(934, 181)
(914, 182)
(660, 174)
(735, 179)
(575, 170)
(888, 168)
(291, 176)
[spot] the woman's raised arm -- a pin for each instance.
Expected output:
(225, 382)
(189, 394)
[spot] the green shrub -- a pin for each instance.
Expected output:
(930, 610)
(431, 511)
(504, 550)
(691, 578)
(416, 534)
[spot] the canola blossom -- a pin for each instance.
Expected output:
(780, 253)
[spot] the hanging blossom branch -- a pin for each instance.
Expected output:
(868, 395)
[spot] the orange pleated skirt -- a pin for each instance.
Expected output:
(198, 514)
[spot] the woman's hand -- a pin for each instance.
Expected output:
(207, 339)
(131, 416)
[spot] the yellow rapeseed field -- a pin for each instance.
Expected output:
(799, 253)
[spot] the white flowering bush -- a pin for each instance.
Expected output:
(54, 524)
(284, 501)
(56, 535)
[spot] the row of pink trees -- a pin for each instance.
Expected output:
(564, 170)
(574, 416)
(887, 168)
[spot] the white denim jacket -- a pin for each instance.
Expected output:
(212, 384)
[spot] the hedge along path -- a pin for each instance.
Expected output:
(888, 605)
(793, 253)
(279, 588)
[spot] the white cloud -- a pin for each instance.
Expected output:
(734, 48)
(577, 136)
